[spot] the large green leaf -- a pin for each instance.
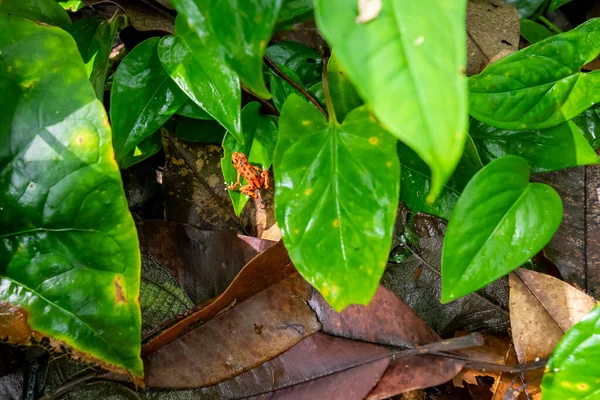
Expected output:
(416, 180)
(550, 149)
(337, 195)
(540, 86)
(94, 38)
(238, 30)
(499, 222)
(260, 137)
(145, 149)
(409, 70)
(142, 98)
(573, 368)
(46, 11)
(190, 109)
(203, 77)
(69, 254)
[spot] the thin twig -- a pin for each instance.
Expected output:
(70, 385)
(262, 101)
(299, 88)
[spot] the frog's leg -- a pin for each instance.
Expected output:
(249, 190)
(264, 174)
(236, 184)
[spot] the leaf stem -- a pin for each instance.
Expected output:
(549, 24)
(330, 109)
(299, 88)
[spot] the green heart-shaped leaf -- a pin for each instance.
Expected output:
(238, 31)
(337, 195)
(142, 98)
(94, 38)
(551, 149)
(540, 86)
(260, 138)
(203, 77)
(343, 94)
(499, 222)
(409, 70)
(573, 368)
(69, 253)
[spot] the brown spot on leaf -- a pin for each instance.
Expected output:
(119, 297)
(13, 324)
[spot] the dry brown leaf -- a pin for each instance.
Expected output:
(492, 32)
(542, 309)
(493, 351)
(236, 341)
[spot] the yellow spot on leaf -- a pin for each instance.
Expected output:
(582, 386)
(523, 126)
(373, 140)
(419, 41)
(296, 231)
(308, 192)
(119, 295)
(9, 68)
(388, 164)
(305, 122)
(137, 152)
(336, 223)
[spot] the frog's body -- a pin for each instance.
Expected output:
(255, 176)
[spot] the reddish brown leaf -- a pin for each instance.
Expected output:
(268, 268)
(386, 320)
(415, 372)
(244, 337)
(203, 262)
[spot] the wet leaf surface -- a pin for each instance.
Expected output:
(46, 11)
(244, 337)
(328, 176)
(69, 258)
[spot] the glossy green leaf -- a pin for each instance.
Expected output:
(573, 368)
(46, 11)
(303, 60)
(238, 31)
(555, 4)
(526, 7)
(534, 32)
(589, 123)
(342, 92)
(280, 89)
(203, 77)
(260, 137)
(190, 109)
(145, 149)
(94, 38)
(499, 222)
(294, 12)
(416, 180)
(69, 254)
(540, 86)
(142, 98)
(409, 71)
(72, 5)
(337, 196)
(197, 130)
(550, 149)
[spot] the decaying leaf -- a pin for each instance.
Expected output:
(263, 271)
(542, 309)
(143, 15)
(203, 262)
(492, 32)
(244, 337)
